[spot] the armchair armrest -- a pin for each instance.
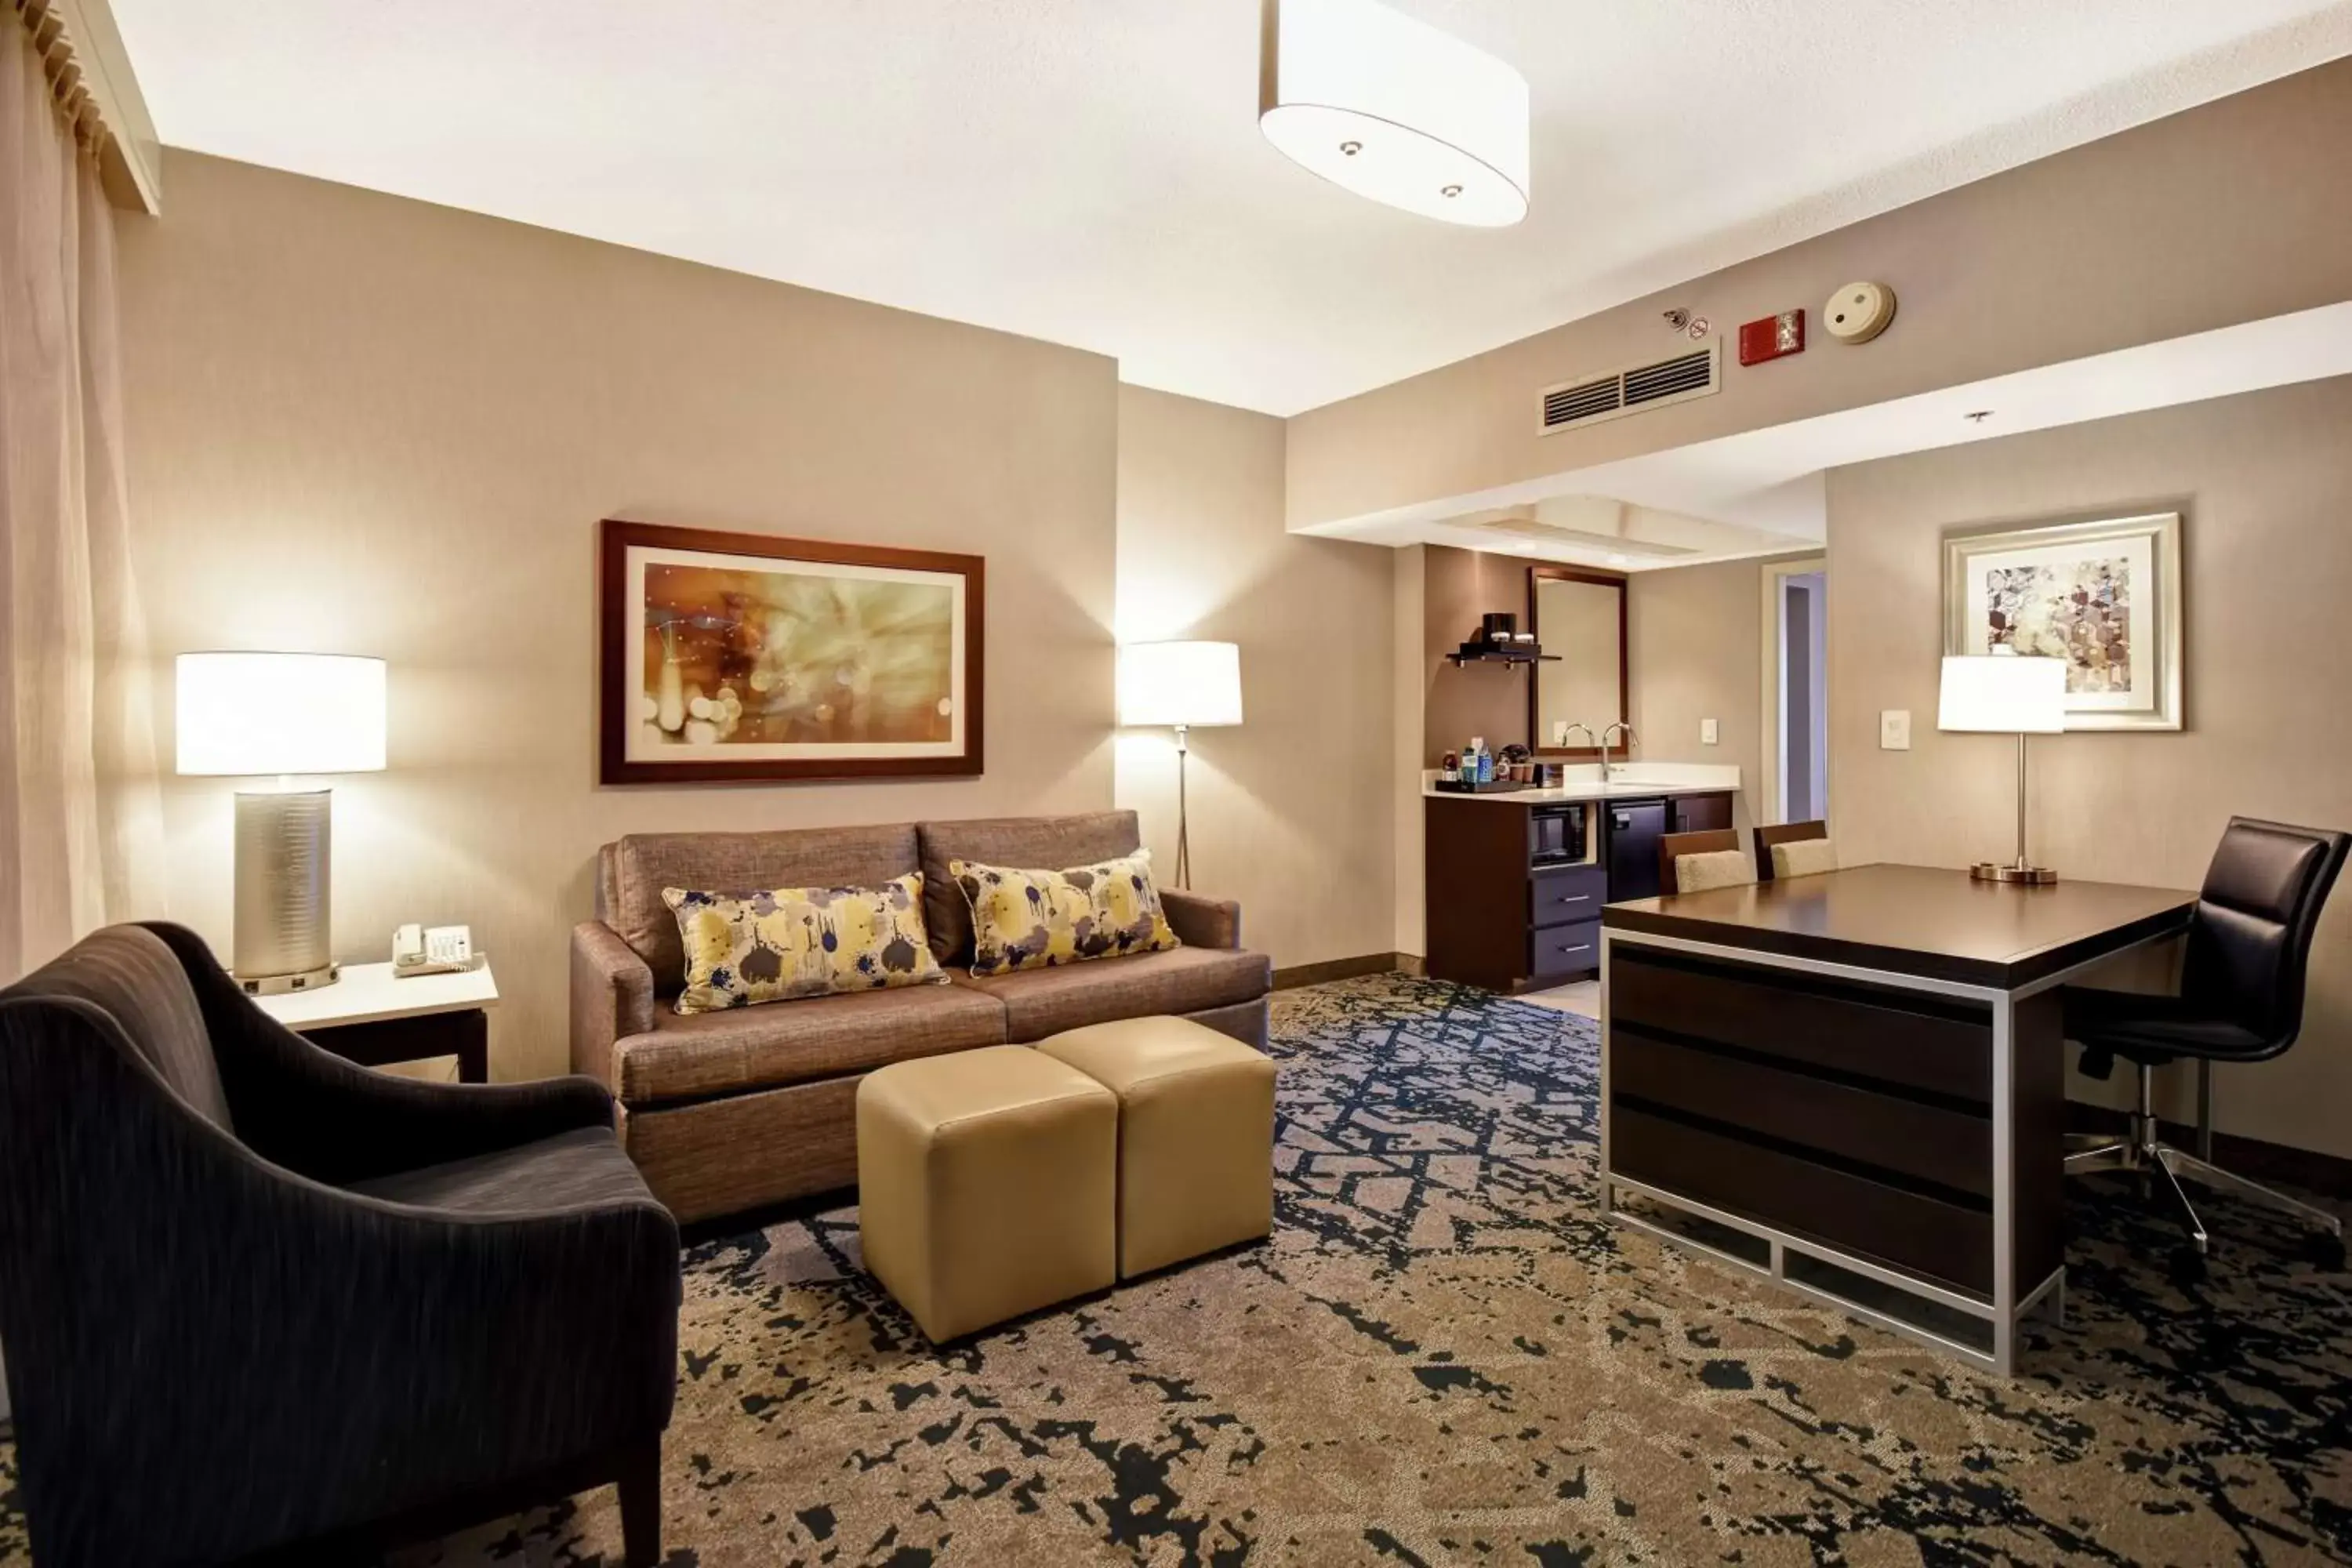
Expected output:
(612, 997)
(1200, 921)
(309, 1109)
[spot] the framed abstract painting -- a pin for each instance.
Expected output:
(739, 658)
(2104, 596)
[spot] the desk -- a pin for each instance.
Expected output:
(375, 1017)
(1855, 1084)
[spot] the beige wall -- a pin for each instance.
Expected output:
(363, 424)
(2264, 482)
(1697, 646)
(1407, 680)
(2205, 219)
(1488, 701)
(1291, 810)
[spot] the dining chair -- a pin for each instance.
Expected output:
(1780, 833)
(1714, 842)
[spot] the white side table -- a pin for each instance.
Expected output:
(374, 1017)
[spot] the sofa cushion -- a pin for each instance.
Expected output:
(583, 1168)
(796, 943)
(1037, 919)
(1050, 842)
(689, 1057)
(1042, 1002)
(644, 864)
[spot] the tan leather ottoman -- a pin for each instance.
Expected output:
(987, 1185)
(1195, 1135)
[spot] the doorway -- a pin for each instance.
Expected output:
(1796, 691)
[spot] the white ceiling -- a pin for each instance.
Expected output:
(1091, 172)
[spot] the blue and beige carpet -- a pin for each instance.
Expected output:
(1446, 1356)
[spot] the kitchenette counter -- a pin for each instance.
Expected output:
(1654, 781)
(1516, 879)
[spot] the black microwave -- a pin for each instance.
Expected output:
(1558, 834)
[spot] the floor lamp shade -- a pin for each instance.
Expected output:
(1187, 684)
(1181, 684)
(2005, 695)
(257, 714)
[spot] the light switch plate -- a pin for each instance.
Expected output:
(1894, 729)
(1708, 732)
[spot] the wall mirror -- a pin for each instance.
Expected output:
(1579, 620)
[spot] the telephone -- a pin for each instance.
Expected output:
(440, 950)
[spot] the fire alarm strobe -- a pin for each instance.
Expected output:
(1769, 337)
(1859, 311)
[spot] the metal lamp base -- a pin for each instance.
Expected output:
(284, 840)
(2027, 876)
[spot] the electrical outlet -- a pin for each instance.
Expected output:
(1709, 732)
(1894, 729)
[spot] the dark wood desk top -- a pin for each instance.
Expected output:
(1917, 920)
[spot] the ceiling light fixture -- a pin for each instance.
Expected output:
(1392, 109)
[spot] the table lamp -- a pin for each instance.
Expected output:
(1186, 684)
(2003, 693)
(288, 714)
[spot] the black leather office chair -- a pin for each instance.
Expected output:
(2240, 1001)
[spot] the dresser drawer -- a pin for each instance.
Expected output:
(1565, 896)
(1564, 950)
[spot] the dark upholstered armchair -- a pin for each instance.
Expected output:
(257, 1300)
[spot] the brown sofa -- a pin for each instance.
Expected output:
(725, 1111)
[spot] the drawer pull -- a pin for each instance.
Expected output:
(1578, 898)
(1581, 947)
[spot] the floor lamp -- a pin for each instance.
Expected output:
(286, 714)
(1186, 686)
(2005, 694)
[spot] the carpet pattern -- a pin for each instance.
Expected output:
(1446, 1355)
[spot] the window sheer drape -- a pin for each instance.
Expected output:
(80, 820)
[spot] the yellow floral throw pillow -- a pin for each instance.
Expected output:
(801, 942)
(1037, 919)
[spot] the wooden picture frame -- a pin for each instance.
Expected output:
(744, 658)
(1537, 577)
(2116, 587)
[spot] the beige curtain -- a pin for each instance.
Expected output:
(80, 818)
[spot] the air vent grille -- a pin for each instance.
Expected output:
(1591, 399)
(1657, 383)
(1570, 404)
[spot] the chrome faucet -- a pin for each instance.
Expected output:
(1632, 739)
(1572, 724)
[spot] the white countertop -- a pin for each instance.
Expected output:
(1635, 780)
(371, 992)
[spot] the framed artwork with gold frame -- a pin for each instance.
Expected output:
(741, 657)
(2104, 595)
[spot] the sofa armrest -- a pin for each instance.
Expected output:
(1200, 921)
(611, 998)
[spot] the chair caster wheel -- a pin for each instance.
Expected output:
(2188, 1265)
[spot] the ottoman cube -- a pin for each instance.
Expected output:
(987, 1185)
(1195, 1135)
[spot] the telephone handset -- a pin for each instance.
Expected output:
(436, 950)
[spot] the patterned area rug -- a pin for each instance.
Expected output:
(1444, 1355)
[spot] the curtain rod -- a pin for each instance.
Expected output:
(89, 74)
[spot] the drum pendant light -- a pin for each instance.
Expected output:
(1394, 110)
